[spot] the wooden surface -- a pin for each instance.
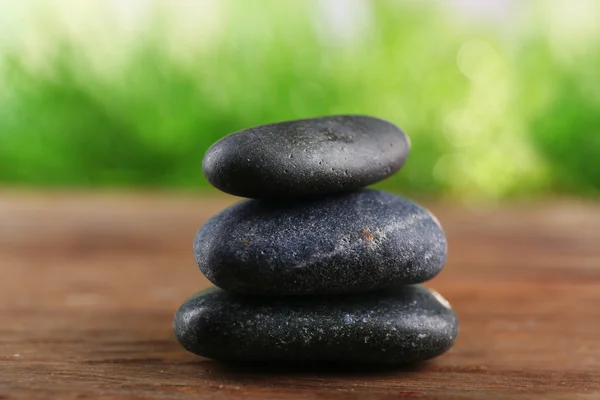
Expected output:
(89, 285)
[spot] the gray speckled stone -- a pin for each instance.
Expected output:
(339, 244)
(402, 325)
(306, 157)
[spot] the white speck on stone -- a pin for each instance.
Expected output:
(437, 221)
(346, 246)
(441, 299)
(190, 315)
(422, 335)
(366, 339)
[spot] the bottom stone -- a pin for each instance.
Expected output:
(403, 325)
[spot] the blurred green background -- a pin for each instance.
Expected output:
(501, 98)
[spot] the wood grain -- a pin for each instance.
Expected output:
(89, 284)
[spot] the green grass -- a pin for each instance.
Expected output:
(474, 104)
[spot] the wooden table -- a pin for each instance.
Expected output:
(89, 285)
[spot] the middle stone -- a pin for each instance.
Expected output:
(346, 243)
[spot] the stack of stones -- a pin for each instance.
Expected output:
(315, 267)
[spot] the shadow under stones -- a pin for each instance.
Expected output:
(323, 369)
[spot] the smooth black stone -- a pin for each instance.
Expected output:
(306, 157)
(346, 243)
(402, 325)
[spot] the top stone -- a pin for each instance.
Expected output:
(307, 157)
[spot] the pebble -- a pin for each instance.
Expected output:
(307, 157)
(401, 325)
(347, 243)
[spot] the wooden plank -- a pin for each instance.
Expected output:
(90, 282)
